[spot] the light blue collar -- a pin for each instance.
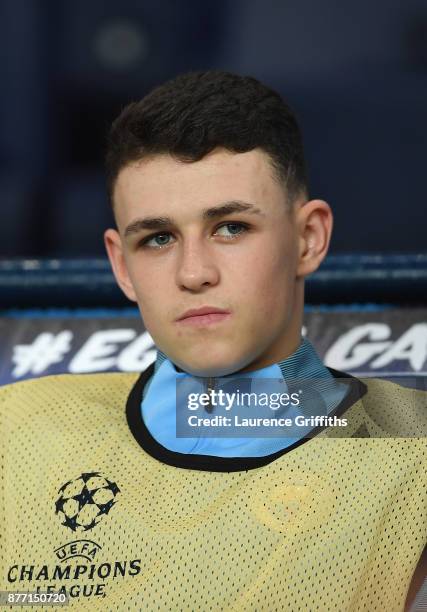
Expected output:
(158, 407)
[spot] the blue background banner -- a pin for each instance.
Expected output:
(365, 340)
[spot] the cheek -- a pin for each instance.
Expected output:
(151, 293)
(267, 283)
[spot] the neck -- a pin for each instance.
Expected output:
(261, 362)
(290, 339)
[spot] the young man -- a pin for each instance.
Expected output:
(106, 502)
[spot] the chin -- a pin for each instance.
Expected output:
(208, 367)
(205, 367)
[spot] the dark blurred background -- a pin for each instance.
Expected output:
(354, 72)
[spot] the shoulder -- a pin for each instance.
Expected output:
(66, 388)
(396, 409)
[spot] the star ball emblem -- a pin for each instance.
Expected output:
(84, 501)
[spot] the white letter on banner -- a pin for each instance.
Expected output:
(411, 346)
(138, 355)
(94, 356)
(46, 350)
(339, 357)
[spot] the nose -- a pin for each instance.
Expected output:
(196, 267)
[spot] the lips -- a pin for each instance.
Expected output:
(204, 310)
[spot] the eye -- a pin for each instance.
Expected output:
(234, 229)
(163, 239)
(157, 241)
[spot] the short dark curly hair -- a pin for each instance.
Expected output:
(195, 113)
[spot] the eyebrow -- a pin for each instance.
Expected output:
(159, 223)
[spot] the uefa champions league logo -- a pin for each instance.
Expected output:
(84, 501)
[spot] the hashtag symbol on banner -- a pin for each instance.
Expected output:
(46, 350)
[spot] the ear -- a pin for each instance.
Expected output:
(113, 245)
(314, 221)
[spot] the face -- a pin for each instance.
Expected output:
(216, 234)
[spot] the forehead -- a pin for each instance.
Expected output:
(163, 184)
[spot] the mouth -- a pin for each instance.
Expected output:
(204, 320)
(201, 317)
